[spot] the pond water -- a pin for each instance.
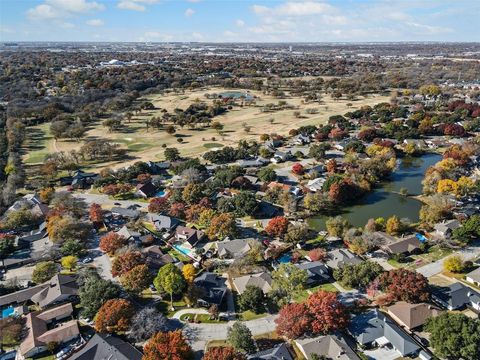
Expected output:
(236, 95)
(384, 201)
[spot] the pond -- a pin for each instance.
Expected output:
(385, 201)
(236, 95)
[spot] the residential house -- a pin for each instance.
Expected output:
(233, 249)
(278, 352)
(328, 346)
(314, 171)
(188, 237)
(340, 257)
(301, 139)
(317, 271)
(411, 316)
(44, 327)
(403, 246)
(281, 156)
(155, 258)
(456, 296)
(162, 223)
(83, 180)
(373, 328)
(418, 143)
(146, 190)
(445, 228)
(257, 162)
(107, 346)
(58, 289)
(474, 277)
(214, 289)
(129, 235)
(261, 280)
(266, 210)
(316, 184)
(125, 213)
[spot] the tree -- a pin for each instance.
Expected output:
(296, 233)
(317, 254)
(189, 272)
(328, 314)
(240, 337)
(114, 316)
(277, 226)
(267, 174)
(12, 330)
(213, 311)
(289, 280)
(293, 321)
(46, 194)
(147, 322)
(94, 292)
(69, 262)
(222, 226)
(223, 353)
(193, 193)
(298, 169)
(170, 280)
(7, 245)
(405, 285)
(177, 210)
(393, 225)
(171, 154)
(44, 271)
(454, 336)
(469, 230)
(73, 248)
(358, 275)
(454, 264)
(137, 279)
(158, 205)
(95, 214)
(67, 227)
(170, 345)
(245, 203)
(112, 242)
(251, 299)
(336, 226)
(125, 262)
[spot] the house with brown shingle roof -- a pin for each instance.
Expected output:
(412, 316)
(44, 327)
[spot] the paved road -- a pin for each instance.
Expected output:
(106, 201)
(469, 253)
(200, 334)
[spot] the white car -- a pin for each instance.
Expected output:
(87, 260)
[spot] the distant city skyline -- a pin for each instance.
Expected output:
(239, 20)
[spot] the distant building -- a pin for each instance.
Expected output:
(107, 347)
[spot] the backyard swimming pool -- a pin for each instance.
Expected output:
(8, 312)
(285, 258)
(183, 250)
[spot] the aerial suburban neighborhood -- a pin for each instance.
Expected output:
(239, 201)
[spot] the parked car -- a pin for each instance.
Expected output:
(87, 260)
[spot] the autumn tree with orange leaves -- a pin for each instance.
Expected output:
(137, 279)
(114, 316)
(224, 353)
(328, 314)
(405, 285)
(95, 213)
(111, 242)
(277, 226)
(293, 321)
(170, 345)
(123, 263)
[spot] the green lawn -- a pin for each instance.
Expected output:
(202, 318)
(433, 254)
(303, 295)
(250, 315)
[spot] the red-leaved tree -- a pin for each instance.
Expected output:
(137, 279)
(111, 242)
(95, 214)
(224, 353)
(298, 169)
(158, 204)
(277, 226)
(170, 345)
(405, 285)
(317, 254)
(177, 210)
(328, 314)
(114, 316)
(126, 262)
(293, 320)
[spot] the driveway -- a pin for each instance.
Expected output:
(469, 253)
(382, 354)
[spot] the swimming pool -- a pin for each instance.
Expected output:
(421, 237)
(161, 193)
(8, 312)
(183, 250)
(285, 258)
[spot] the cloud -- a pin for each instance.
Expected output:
(135, 5)
(95, 22)
(58, 9)
(193, 1)
(240, 23)
(305, 8)
(197, 36)
(189, 12)
(155, 36)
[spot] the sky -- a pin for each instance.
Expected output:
(240, 20)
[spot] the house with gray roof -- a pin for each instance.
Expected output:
(214, 289)
(340, 257)
(233, 249)
(474, 277)
(329, 346)
(107, 346)
(279, 352)
(445, 228)
(457, 296)
(163, 222)
(373, 328)
(261, 280)
(317, 272)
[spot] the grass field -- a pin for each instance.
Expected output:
(146, 144)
